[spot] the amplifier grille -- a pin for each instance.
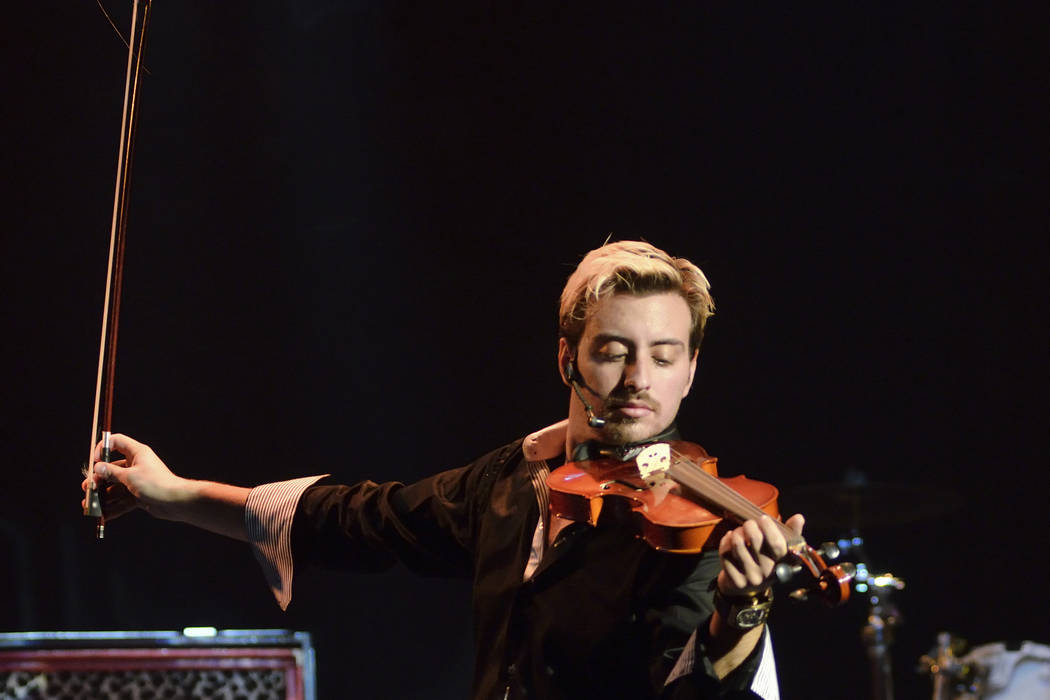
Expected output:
(261, 665)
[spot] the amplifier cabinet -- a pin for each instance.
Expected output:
(197, 663)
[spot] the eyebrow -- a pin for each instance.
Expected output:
(611, 337)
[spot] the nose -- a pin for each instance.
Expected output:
(636, 376)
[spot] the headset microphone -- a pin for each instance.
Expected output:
(570, 375)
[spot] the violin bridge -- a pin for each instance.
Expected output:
(653, 463)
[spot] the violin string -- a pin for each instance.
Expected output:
(723, 496)
(720, 494)
(712, 488)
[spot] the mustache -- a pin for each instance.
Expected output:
(615, 401)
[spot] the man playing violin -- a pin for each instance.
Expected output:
(561, 609)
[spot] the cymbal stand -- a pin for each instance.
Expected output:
(883, 617)
(946, 669)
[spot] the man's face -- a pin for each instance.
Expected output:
(634, 355)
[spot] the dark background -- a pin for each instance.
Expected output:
(351, 220)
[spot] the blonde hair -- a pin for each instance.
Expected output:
(632, 267)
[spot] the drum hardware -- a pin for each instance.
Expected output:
(854, 505)
(943, 664)
(995, 671)
(883, 615)
(877, 634)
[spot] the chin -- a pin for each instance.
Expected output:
(625, 431)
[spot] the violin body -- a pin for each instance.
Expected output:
(611, 490)
(670, 494)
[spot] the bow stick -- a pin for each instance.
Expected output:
(107, 352)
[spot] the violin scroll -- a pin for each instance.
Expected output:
(830, 583)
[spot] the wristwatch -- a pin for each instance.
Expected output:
(744, 612)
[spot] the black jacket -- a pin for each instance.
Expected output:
(604, 616)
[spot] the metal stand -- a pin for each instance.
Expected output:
(883, 617)
(944, 667)
(878, 637)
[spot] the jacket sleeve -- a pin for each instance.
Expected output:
(430, 526)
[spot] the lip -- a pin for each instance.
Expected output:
(634, 410)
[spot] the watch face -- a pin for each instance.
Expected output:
(751, 617)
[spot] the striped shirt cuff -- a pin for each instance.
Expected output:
(764, 684)
(268, 521)
(765, 680)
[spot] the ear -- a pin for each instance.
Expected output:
(692, 373)
(564, 359)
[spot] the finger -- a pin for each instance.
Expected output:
(117, 501)
(114, 491)
(758, 546)
(744, 559)
(118, 508)
(119, 442)
(729, 566)
(796, 522)
(756, 534)
(725, 545)
(773, 548)
(775, 543)
(753, 535)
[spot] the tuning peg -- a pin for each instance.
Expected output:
(829, 550)
(785, 571)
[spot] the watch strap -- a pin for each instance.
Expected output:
(744, 612)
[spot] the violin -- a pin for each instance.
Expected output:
(671, 496)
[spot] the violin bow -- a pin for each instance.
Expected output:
(101, 425)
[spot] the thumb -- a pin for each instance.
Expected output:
(111, 472)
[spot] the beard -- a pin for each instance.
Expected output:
(621, 429)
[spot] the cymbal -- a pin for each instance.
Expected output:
(872, 504)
